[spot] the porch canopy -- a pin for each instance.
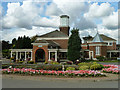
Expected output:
(18, 53)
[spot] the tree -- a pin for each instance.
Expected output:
(22, 43)
(74, 46)
(5, 49)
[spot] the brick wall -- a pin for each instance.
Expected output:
(45, 48)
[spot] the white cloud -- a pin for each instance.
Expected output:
(98, 11)
(111, 22)
(84, 23)
(75, 9)
(53, 10)
(24, 16)
(9, 34)
(45, 22)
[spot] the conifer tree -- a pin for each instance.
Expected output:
(74, 46)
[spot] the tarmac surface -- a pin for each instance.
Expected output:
(47, 82)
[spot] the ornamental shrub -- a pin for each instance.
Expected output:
(46, 62)
(70, 68)
(84, 67)
(96, 67)
(21, 62)
(55, 63)
(85, 64)
(100, 58)
(30, 62)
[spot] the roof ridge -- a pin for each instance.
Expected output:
(97, 38)
(49, 32)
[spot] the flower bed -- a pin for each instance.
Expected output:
(81, 73)
(111, 69)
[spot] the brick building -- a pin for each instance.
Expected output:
(100, 45)
(53, 45)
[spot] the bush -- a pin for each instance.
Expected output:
(55, 63)
(70, 68)
(85, 64)
(30, 62)
(21, 62)
(46, 62)
(83, 67)
(12, 58)
(96, 67)
(48, 67)
(100, 58)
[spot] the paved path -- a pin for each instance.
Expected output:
(11, 82)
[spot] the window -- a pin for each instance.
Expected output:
(97, 50)
(110, 43)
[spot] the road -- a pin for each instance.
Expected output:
(20, 83)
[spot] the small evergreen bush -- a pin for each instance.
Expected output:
(84, 67)
(70, 68)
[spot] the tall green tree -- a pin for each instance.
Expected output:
(74, 45)
(22, 43)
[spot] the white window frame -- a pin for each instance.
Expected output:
(97, 50)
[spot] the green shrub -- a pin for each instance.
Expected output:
(96, 67)
(85, 64)
(55, 63)
(30, 62)
(46, 62)
(21, 62)
(5, 66)
(100, 58)
(48, 67)
(83, 67)
(70, 68)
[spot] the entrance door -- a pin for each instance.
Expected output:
(40, 55)
(90, 54)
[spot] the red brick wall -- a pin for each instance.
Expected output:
(113, 47)
(103, 51)
(35, 48)
(65, 30)
(84, 47)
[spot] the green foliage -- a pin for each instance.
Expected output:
(100, 58)
(48, 67)
(85, 64)
(46, 62)
(55, 63)
(92, 66)
(84, 67)
(74, 46)
(21, 43)
(6, 53)
(30, 62)
(12, 58)
(5, 45)
(96, 67)
(21, 62)
(70, 68)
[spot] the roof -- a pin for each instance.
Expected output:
(64, 16)
(51, 43)
(97, 38)
(104, 37)
(55, 33)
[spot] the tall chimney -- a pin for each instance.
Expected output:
(64, 24)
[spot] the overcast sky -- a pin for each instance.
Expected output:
(30, 18)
